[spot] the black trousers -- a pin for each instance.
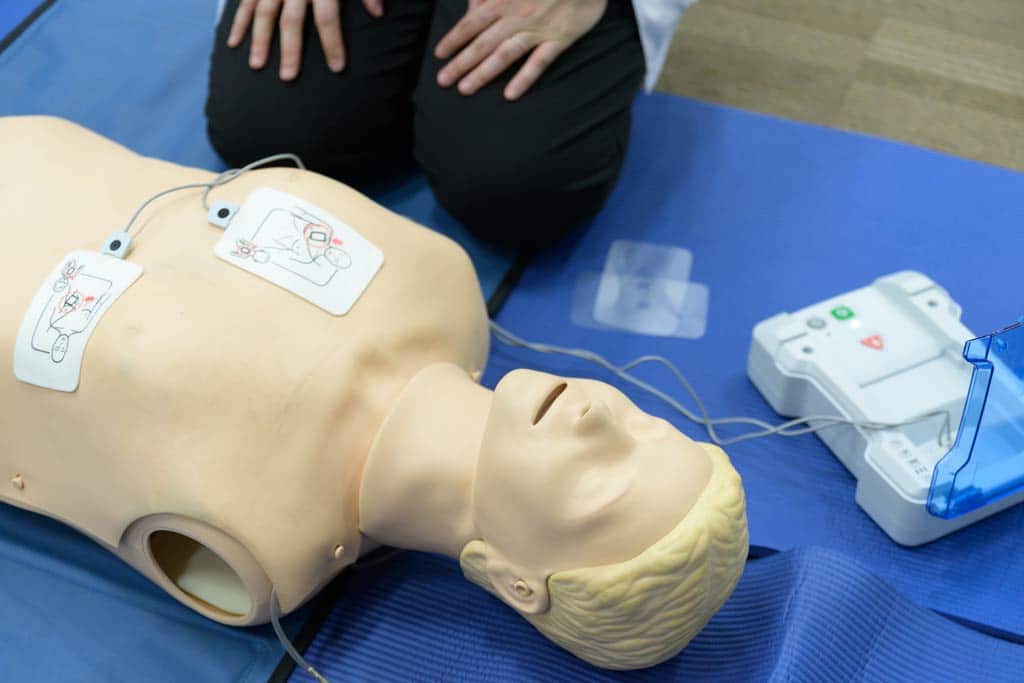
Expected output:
(521, 173)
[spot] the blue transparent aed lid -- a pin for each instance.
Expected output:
(986, 462)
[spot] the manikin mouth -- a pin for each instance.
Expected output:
(548, 402)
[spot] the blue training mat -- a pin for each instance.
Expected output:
(802, 615)
(72, 611)
(778, 215)
(13, 12)
(136, 73)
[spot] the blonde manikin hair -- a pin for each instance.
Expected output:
(640, 612)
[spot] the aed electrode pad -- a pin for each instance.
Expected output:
(890, 358)
(301, 248)
(67, 307)
(274, 235)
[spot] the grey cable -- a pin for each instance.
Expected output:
(231, 174)
(222, 179)
(275, 621)
(812, 424)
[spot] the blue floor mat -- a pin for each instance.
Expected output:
(778, 216)
(802, 615)
(13, 12)
(816, 212)
(75, 612)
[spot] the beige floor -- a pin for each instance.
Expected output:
(942, 74)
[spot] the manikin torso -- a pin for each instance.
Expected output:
(276, 455)
(229, 439)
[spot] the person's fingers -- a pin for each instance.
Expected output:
(328, 26)
(374, 7)
(240, 24)
(262, 31)
(507, 54)
(536, 64)
(474, 53)
(292, 18)
(472, 24)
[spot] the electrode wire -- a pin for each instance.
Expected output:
(222, 179)
(795, 427)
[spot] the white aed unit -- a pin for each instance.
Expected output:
(935, 436)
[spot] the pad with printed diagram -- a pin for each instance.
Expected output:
(77, 295)
(64, 313)
(298, 242)
(301, 248)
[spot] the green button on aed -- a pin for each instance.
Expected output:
(842, 312)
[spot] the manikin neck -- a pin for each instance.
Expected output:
(417, 486)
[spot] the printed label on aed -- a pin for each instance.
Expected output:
(64, 312)
(301, 248)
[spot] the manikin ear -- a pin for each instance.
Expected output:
(521, 589)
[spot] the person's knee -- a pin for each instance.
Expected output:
(241, 131)
(517, 213)
(257, 115)
(522, 195)
(332, 121)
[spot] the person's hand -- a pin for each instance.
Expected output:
(494, 34)
(262, 15)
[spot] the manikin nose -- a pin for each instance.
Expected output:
(594, 415)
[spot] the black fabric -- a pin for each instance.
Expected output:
(521, 173)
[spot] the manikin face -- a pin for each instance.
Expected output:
(571, 475)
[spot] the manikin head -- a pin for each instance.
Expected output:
(617, 536)
(614, 534)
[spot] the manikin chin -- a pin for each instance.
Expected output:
(228, 439)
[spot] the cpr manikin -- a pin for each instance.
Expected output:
(228, 438)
